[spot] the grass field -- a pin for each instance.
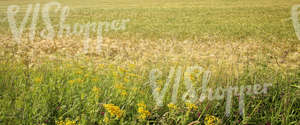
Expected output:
(241, 42)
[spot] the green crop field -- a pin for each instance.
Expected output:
(154, 59)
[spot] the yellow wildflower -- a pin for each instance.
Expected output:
(96, 90)
(126, 79)
(78, 80)
(172, 106)
(191, 106)
(141, 104)
(143, 112)
(69, 122)
(66, 122)
(60, 122)
(124, 93)
(113, 110)
(106, 119)
(211, 120)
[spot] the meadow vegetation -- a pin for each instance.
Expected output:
(242, 42)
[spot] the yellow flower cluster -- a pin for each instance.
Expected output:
(96, 90)
(122, 89)
(113, 110)
(142, 104)
(66, 122)
(78, 80)
(191, 106)
(143, 112)
(172, 106)
(192, 77)
(211, 120)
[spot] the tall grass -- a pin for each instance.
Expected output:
(241, 42)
